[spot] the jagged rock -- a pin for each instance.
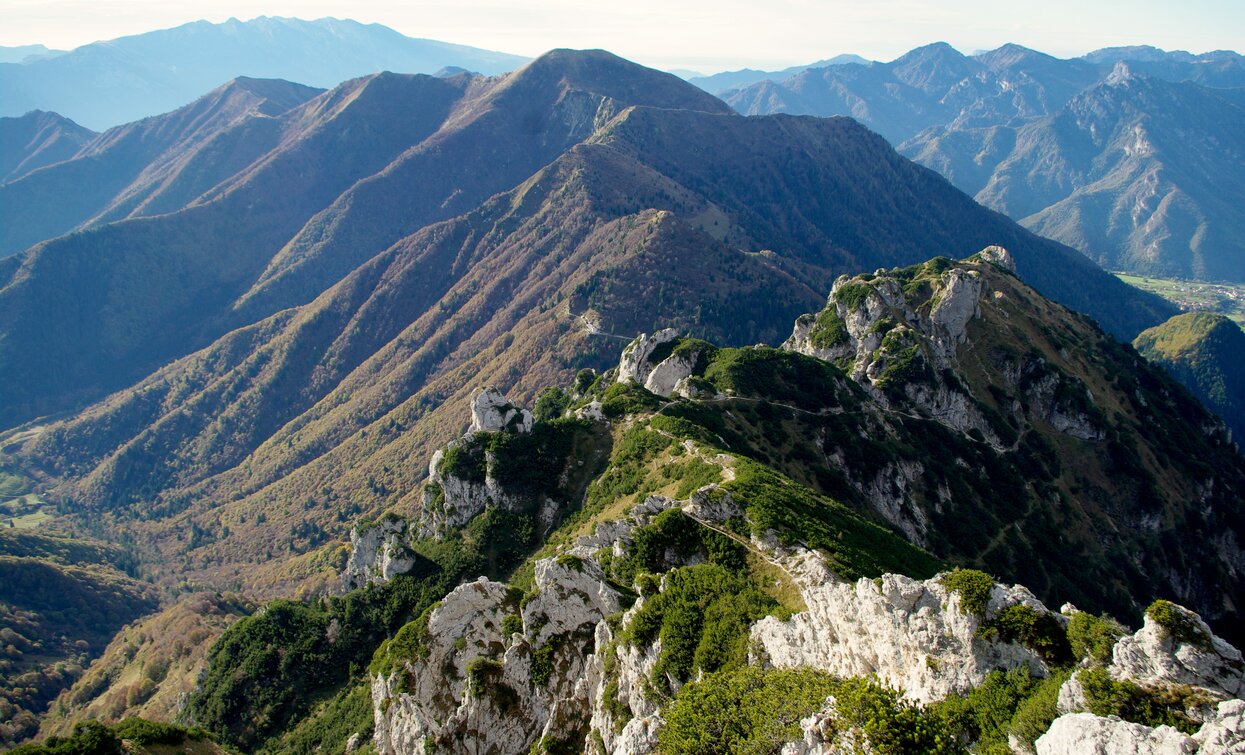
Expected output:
(491, 412)
(911, 634)
(1072, 697)
(667, 375)
(1153, 656)
(959, 301)
(433, 698)
(1087, 734)
(634, 363)
(1225, 733)
(690, 387)
(378, 552)
(999, 256)
(450, 502)
(592, 411)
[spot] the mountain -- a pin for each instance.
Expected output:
(104, 84)
(35, 140)
(227, 385)
(149, 167)
(703, 529)
(61, 602)
(26, 53)
(1130, 155)
(1219, 69)
(1203, 351)
(1137, 172)
(770, 184)
(720, 83)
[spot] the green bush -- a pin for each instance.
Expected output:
(1093, 637)
(621, 399)
(88, 738)
(1037, 630)
(828, 330)
(1035, 715)
(1178, 623)
(751, 710)
(550, 404)
(1131, 702)
(512, 624)
(972, 586)
(702, 617)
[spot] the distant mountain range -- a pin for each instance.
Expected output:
(727, 80)
(37, 139)
(104, 84)
(233, 335)
(292, 276)
(1132, 155)
(26, 53)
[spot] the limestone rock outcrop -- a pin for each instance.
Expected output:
(912, 634)
(492, 412)
(1155, 655)
(636, 363)
(379, 551)
(663, 371)
(1087, 734)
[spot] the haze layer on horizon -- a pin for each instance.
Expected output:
(702, 35)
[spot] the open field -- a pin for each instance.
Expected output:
(1225, 298)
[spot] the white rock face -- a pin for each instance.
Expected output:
(1153, 656)
(1087, 734)
(1225, 733)
(911, 634)
(959, 302)
(667, 375)
(491, 412)
(635, 364)
(378, 553)
(999, 256)
(431, 698)
(451, 502)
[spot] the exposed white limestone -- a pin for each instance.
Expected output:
(1087, 734)
(913, 635)
(999, 256)
(492, 412)
(635, 363)
(1153, 656)
(378, 552)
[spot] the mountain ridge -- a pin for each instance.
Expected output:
(107, 83)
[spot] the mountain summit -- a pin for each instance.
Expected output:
(104, 84)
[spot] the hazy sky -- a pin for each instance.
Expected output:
(706, 35)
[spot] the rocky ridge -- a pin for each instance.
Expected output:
(568, 661)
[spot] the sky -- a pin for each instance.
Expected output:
(701, 35)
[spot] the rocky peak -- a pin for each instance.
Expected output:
(636, 363)
(999, 256)
(491, 412)
(379, 551)
(1176, 647)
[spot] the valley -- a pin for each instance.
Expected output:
(1227, 299)
(566, 407)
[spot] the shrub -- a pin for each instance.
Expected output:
(751, 710)
(1131, 702)
(972, 586)
(1179, 623)
(1093, 637)
(512, 624)
(1037, 630)
(702, 617)
(551, 404)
